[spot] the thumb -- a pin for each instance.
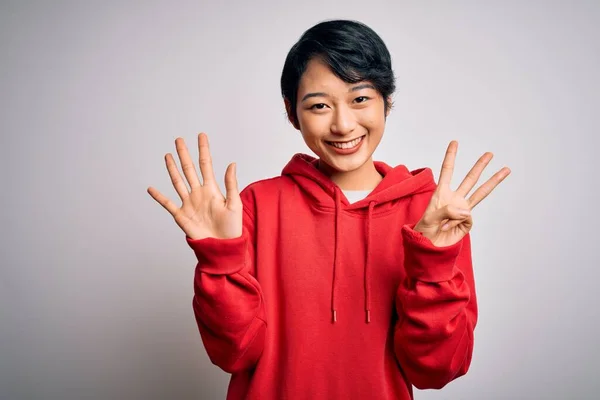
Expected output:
(231, 185)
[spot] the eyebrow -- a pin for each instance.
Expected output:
(353, 89)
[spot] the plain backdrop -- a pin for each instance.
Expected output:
(96, 278)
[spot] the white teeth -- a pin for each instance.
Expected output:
(347, 145)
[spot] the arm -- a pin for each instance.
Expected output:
(437, 309)
(228, 302)
(436, 302)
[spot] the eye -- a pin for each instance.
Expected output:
(318, 106)
(361, 99)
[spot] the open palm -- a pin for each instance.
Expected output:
(447, 218)
(204, 212)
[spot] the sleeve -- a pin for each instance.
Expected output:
(228, 301)
(437, 309)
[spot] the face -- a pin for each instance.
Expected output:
(342, 123)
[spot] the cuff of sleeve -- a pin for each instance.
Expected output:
(220, 256)
(425, 261)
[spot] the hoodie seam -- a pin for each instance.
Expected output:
(374, 214)
(354, 214)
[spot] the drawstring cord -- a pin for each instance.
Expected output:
(336, 255)
(367, 262)
(338, 205)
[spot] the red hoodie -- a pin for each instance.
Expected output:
(322, 299)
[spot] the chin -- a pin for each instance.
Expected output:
(349, 166)
(344, 163)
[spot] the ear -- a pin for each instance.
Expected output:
(389, 109)
(288, 110)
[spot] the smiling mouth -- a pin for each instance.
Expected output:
(347, 145)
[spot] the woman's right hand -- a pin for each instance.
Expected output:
(205, 212)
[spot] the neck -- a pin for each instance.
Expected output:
(366, 177)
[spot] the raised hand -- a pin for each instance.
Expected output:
(205, 212)
(447, 218)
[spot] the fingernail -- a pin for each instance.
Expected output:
(465, 213)
(445, 227)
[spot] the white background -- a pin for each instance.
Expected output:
(96, 278)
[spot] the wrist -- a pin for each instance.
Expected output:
(426, 232)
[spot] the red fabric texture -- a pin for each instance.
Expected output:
(322, 299)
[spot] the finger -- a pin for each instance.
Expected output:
(231, 185)
(474, 174)
(484, 190)
(163, 201)
(446, 214)
(454, 223)
(448, 164)
(450, 225)
(187, 166)
(206, 168)
(176, 178)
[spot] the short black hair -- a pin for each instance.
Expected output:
(352, 50)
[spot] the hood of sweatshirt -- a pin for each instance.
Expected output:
(398, 182)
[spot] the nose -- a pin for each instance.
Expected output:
(343, 122)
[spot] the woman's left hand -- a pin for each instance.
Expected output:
(447, 218)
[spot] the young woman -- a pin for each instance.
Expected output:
(343, 278)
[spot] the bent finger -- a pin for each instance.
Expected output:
(449, 212)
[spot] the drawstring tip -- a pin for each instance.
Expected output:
(368, 312)
(333, 316)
